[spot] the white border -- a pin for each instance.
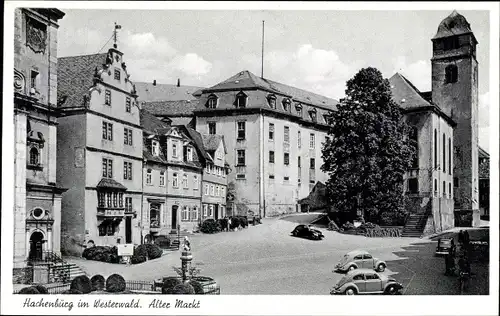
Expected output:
(260, 305)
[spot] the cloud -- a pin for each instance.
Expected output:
(191, 64)
(484, 120)
(418, 72)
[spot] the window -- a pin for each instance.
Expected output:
(358, 277)
(449, 190)
(271, 156)
(155, 148)
(286, 134)
(299, 140)
(175, 180)
(312, 163)
(117, 74)
(241, 157)
(127, 105)
(34, 80)
(211, 128)
(120, 199)
(127, 136)
(456, 182)
(271, 131)
(444, 189)
(115, 199)
(298, 108)
(162, 178)
(107, 168)
(312, 141)
(451, 74)
(272, 101)
(298, 162)
(367, 256)
(286, 105)
(444, 155)
(34, 156)
(212, 102)
(358, 257)
(286, 159)
(190, 154)
(108, 199)
(185, 181)
(451, 43)
(127, 170)
(449, 155)
(107, 97)
(241, 130)
(241, 100)
(205, 210)
(435, 187)
(174, 150)
(207, 189)
(371, 276)
(435, 149)
(217, 191)
(223, 191)
(101, 199)
(106, 229)
(185, 213)
(286, 178)
(107, 131)
(149, 176)
(312, 114)
(209, 168)
(194, 214)
(212, 190)
(210, 210)
(195, 182)
(413, 185)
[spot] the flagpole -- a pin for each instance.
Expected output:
(262, 61)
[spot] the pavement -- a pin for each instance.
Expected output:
(266, 259)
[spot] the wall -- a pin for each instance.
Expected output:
(20, 189)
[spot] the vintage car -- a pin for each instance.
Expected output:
(307, 232)
(358, 259)
(366, 281)
(444, 246)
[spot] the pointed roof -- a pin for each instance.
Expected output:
(211, 142)
(247, 80)
(454, 24)
(405, 94)
(198, 141)
(75, 75)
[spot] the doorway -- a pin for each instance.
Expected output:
(216, 217)
(128, 229)
(36, 246)
(174, 216)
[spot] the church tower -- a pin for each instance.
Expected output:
(455, 91)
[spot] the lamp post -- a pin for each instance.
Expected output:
(186, 259)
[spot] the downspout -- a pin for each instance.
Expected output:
(141, 227)
(50, 248)
(261, 162)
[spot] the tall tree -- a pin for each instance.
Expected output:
(368, 151)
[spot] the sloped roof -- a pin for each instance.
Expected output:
(166, 92)
(75, 76)
(211, 141)
(405, 94)
(188, 121)
(454, 24)
(110, 184)
(245, 79)
(198, 140)
(483, 153)
(151, 123)
(171, 108)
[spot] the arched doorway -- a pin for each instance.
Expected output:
(174, 216)
(36, 246)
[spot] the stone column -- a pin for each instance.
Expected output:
(49, 239)
(21, 244)
(27, 245)
(186, 259)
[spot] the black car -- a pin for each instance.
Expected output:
(307, 232)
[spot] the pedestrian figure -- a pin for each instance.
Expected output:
(229, 223)
(254, 221)
(461, 237)
(187, 244)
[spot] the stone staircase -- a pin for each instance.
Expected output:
(58, 270)
(415, 225)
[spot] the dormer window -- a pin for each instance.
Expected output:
(174, 150)
(241, 100)
(312, 114)
(190, 154)
(328, 118)
(212, 101)
(298, 108)
(155, 148)
(271, 99)
(451, 74)
(286, 105)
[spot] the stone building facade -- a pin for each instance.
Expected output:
(100, 142)
(37, 200)
(273, 134)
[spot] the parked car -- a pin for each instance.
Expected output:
(358, 259)
(444, 246)
(307, 232)
(366, 281)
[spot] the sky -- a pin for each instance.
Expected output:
(316, 51)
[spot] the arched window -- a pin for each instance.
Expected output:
(149, 176)
(241, 100)
(449, 155)
(185, 213)
(451, 74)
(435, 187)
(435, 149)
(34, 156)
(298, 108)
(194, 214)
(162, 178)
(271, 99)
(286, 105)
(185, 181)
(212, 101)
(175, 180)
(312, 114)
(444, 155)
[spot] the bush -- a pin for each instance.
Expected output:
(169, 283)
(210, 226)
(222, 223)
(101, 253)
(243, 221)
(29, 290)
(137, 259)
(348, 226)
(197, 286)
(163, 241)
(71, 291)
(82, 284)
(183, 289)
(235, 222)
(383, 232)
(115, 283)
(98, 282)
(144, 252)
(41, 289)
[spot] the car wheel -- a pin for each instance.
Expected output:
(391, 290)
(352, 268)
(350, 291)
(381, 267)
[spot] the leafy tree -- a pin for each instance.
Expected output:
(367, 152)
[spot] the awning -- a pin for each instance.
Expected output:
(107, 183)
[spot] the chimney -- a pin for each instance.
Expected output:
(154, 82)
(178, 82)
